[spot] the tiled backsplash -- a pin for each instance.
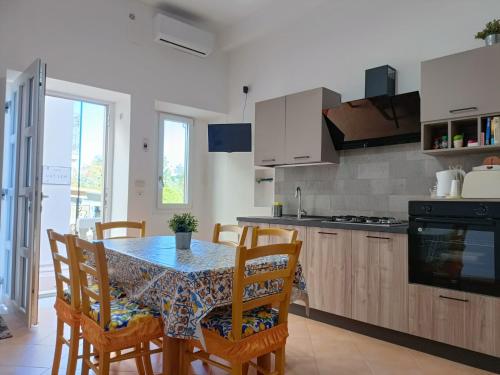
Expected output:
(375, 181)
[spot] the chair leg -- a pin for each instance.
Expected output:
(139, 361)
(185, 358)
(246, 366)
(73, 350)
(148, 367)
(86, 357)
(264, 362)
(104, 363)
(279, 360)
(236, 369)
(58, 350)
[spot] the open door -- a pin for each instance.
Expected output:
(24, 165)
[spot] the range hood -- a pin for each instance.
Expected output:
(376, 121)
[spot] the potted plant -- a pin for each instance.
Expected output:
(491, 33)
(458, 141)
(183, 225)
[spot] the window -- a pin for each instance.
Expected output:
(173, 165)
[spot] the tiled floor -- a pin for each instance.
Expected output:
(313, 348)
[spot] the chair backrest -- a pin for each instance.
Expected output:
(60, 260)
(98, 273)
(241, 281)
(101, 227)
(280, 235)
(241, 233)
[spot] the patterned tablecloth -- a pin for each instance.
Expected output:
(186, 284)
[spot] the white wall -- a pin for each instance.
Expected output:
(331, 45)
(93, 42)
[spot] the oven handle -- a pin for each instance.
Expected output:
(482, 222)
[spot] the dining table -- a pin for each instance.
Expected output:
(185, 285)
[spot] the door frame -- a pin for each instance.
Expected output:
(109, 137)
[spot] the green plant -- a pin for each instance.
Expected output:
(458, 137)
(183, 223)
(492, 27)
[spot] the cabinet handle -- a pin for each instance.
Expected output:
(466, 109)
(379, 238)
(329, 233)
(302, 157)
(454, 299)
(268, 160)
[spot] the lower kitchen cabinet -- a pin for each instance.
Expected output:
(380, 279)
(466, 320)
(328, 273)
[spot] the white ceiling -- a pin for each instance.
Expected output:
(217, 14)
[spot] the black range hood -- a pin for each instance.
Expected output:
(376, 121)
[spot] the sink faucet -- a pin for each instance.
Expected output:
(300, 211)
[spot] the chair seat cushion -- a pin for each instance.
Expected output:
(114, 291)
(123, 313)
(256, 320)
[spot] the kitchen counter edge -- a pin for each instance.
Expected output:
(321, 224)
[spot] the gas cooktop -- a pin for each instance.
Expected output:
(366, 220)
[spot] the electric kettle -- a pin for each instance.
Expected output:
(445, 178)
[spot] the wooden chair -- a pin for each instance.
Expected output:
(112, 325)
(67, 303)
(276, 235)
(239, 346)
(101, 227)
(241, 233)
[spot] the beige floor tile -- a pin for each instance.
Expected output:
(313, 348)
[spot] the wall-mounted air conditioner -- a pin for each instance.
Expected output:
(181, 36)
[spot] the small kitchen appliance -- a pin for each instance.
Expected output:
(445, 179)
(482, 183)
(455, 245)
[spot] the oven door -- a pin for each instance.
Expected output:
(455, 253)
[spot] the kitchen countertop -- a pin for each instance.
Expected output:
(318, 222)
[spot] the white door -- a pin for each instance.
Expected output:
(29, 94)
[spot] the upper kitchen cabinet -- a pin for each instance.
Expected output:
(307, 137)
(270, 132)
(461, 85)
(292, 130)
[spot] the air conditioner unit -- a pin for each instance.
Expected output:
(181, 36)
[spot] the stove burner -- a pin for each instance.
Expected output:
(374, 220)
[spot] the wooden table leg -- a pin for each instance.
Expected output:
(171, 355)
(264, 362)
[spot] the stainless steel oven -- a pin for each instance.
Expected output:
(455, 245)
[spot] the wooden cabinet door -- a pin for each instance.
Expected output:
(380, 279)
(365, 277)
(457, 318)
(303, 127)
(328, 274)
(482, 324)
(464, 84)
(448, 312)
(393, 263)
(269, 145)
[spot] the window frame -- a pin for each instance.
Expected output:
(162, 116)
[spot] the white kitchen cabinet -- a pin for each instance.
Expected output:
(292, 130)
(461, 85)
(270, 132)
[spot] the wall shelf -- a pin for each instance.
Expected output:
(463, 150)
(470, 127)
